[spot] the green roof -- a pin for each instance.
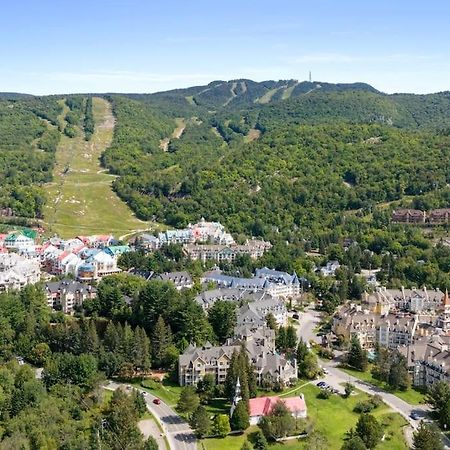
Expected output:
(28, 232)
(114, 249)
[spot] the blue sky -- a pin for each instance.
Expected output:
(51, 46)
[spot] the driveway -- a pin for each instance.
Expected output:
(175, 428)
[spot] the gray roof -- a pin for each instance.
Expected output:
(235, 282)
(208, 298)
(69, 286)
(277, 276)
(208, 353)
(179, 278)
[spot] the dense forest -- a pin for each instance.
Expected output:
(318, 156)
(28, 140)
(64, 406)
(311, 169)
(30, 130)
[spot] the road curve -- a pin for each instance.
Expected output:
(176, 429)
(309, 319)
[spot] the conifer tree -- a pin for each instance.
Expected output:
(200, 421)
(240, 419)
(357, 357)
(161, 340)
(141, 349)
(111, 340)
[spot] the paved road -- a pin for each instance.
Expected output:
(306, 324)
(148, 428)
(177, 431)
(336, 377)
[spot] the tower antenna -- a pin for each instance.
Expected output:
(310, 77)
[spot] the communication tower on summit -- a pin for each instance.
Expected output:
(310, 77)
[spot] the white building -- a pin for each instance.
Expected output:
(17, 271)
(17, 241)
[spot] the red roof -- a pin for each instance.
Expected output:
(63, 255)
(295, 404)
(103, 237)
(261, 406)
(78, 249)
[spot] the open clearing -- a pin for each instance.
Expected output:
(80, 198)
(181, 125)
(332, 418)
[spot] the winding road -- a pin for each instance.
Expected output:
(336, 378)
(176, 429)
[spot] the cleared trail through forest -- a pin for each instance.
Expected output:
(80, 198)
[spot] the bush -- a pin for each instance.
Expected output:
(324, 394)
(368, 405)
(364, 407)
(325, 353)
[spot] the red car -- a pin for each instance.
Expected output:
(156, 401)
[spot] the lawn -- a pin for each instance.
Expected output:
(80, 198)
(332, 418)
(411, 396)
(167, 391)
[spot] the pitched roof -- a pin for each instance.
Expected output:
(261, 406)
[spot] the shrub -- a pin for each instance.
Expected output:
(324, 394)
(364, 407)
(325, 353)
(368, 405)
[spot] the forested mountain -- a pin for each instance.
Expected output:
(317, 100)
(239, 94)
(276, 153)
(285, 164)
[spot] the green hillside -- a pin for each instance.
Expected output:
(255, 155)
(317, 155)
(28, 141)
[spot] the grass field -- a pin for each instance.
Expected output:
(332, 418)
(411, 396)
(80, 198)
(167, 391)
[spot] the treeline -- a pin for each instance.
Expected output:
(74, 116)
(88, 120)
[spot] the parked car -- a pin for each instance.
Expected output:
(295, 316)
(414, 416)
(157, 401)
(321, 383)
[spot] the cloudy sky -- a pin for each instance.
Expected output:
(57, 46)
